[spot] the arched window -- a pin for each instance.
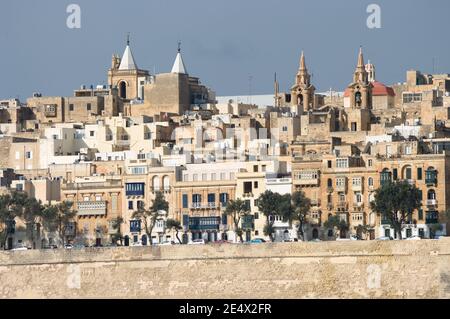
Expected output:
(431, 194)
(407, 173)
(155, 183)
(300, 99)
(370, 181)
(166, 183)
(123, 90)
(358, 99)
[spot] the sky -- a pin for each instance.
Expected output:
(233, 46)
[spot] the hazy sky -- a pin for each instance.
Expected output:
(223, 42)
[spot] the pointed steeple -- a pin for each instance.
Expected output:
(178, 65)
(127, 62)
(302, 62)
(360, 58)
(360, 75)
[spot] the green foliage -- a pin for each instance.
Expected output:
(397, 202)
(174, 224)
(237, 209)
(334, 222)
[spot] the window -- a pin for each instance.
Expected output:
(223, 197)
(285, 128)
(408, 149)
(86, 198)
(330, 183)
(340, 182)
(141, 156)
(354, 126)
(370, 182)
(358, 198)
(138, 170)
(223, 176)
(419, 173)
(89, 106)
(263, 168)
(408, 173)
(420, 214)
(91, 133)
(255, 168)
(140, 204)
(211, 198)
(329, 164)
(98, 198)
(196, 198)
(255, 184)
(431, 194)
(130, 205)
(247, 187)
(256, 233)
(195, 177)
(356, 181)
(134, 189)
(412, 97)
(29, 155)
(370, 163)
(185, 201)
(17, 155)
(147, 136)
(70, 107)
(341, 197)
(213, 176)
(342, 163)
(395, 174)
(330, 233)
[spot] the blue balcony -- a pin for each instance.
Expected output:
(135, 226)
(431, 177)
(204, 223)
(135, 189)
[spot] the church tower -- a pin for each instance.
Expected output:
(360, 90)
(302, 93)
(126, 76)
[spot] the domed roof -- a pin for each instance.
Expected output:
(378, 89)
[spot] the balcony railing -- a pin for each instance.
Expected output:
(90, 208)
(431, 202)
(203, 206)
(342, 205)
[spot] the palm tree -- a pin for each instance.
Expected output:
(176, 225)
(237, 209)
(150, 216)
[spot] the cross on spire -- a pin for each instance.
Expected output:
(128, 38)
(179, 46)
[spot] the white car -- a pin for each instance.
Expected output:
(137, 244)
(383, 238)
(414, 238)
(19, 247)
(197, 242)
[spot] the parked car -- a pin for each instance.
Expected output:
(384, 238)
(291, 240)
(414, 238)
(316, 240)
(166, 243)
(19, 247)
(68, 246)
(197, 242)
(257, 241)
(137, 244)
(79, 246)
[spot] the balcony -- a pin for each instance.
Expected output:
(342, 206)
(91, 208)
(357, 206)
(431, 202)
(357, 188)
(315, 202)
(432, 218)
(246, 195)
(431, 178)
(307, 178)
(203, 206)
(204, 223)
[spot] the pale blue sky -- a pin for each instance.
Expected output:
(224, 42)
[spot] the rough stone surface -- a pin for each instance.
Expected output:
(386, 269)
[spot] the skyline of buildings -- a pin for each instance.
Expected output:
(110, 149)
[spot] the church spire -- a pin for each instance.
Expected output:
(302, 62)
(127, 62)
(178, 65)
(360, 75)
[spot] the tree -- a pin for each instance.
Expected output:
(33, 216)
(7, 217)
(301, 206)
(116, 225)
(149, 216)
(173, 224)
(57, 218)
(363, 229)
(237, 209)
(396, 202)
(334, 222)
(269, 205)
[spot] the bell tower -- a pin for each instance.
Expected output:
(302, 93)
(360, 90)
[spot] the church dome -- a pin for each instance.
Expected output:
(378, 89)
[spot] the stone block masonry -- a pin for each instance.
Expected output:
(363, 269)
